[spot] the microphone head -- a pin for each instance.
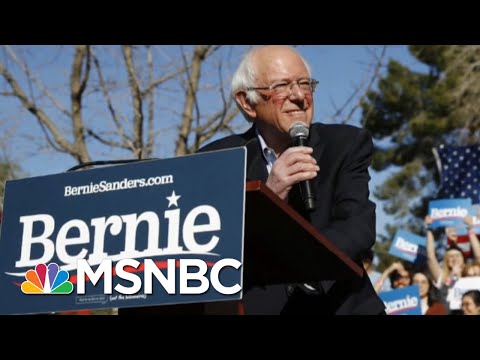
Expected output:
(298, 129)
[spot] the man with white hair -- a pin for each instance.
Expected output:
(273, 88)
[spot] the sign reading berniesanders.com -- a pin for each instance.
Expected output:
(147, 233)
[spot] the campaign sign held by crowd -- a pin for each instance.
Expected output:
(449, 212)
(403, 301)
(409, 247)
(147, 233)
(461, 286)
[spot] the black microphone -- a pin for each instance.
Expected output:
(299, 134)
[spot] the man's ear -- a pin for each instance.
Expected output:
(241, 98)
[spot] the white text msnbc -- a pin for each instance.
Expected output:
(150, 270)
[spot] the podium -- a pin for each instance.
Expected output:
(280, 247)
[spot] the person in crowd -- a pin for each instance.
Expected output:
(397, 275)
(401, 278)
(454, 260)
(471, 269)
(429, 295)
(471, 302)
(375, 276)
(273, 88)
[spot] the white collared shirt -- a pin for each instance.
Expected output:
(268, 154)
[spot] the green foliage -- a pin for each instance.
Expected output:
(412, 112)
(385, 259)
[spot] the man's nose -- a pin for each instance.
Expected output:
(296, 92)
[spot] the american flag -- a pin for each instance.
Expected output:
(459, 168)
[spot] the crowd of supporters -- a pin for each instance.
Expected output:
(436, 277)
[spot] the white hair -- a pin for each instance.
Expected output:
(246, 75)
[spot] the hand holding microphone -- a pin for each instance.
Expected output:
(299, 134)
(295, 165)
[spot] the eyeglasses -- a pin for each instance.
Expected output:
(285, 87)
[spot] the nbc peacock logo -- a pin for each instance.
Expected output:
(47, 280)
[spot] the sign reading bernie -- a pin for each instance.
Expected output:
(147, 233)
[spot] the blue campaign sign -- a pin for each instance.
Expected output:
(449, 212)
(462, 229)
(409, 247)
(146, 233)
(403, 301)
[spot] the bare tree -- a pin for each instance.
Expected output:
(78, 80)
(191, 121)
(344, 113)
(125, 100)
(133, 86)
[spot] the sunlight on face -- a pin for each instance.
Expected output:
(422, 282)
(280, 65)
(453, 258)
(469, 307)
(403, 279)
(473, 270)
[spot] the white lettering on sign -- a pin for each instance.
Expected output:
(406, 246)
(396, 306)
(188, 232)
(187, 277)
(449, 212)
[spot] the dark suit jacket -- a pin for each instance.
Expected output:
(343, 214)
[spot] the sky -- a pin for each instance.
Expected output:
(338, 68)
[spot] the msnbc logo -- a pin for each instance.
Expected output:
(47, 280)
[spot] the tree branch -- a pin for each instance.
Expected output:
(153, 84)
(223, 124)
(150, 99)
(193, 80)
(111, 143)
(364, 87)
(136, 100)
(104, 89)
(78, 82)
(33, 78)
(205, 132)
(42, 118)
